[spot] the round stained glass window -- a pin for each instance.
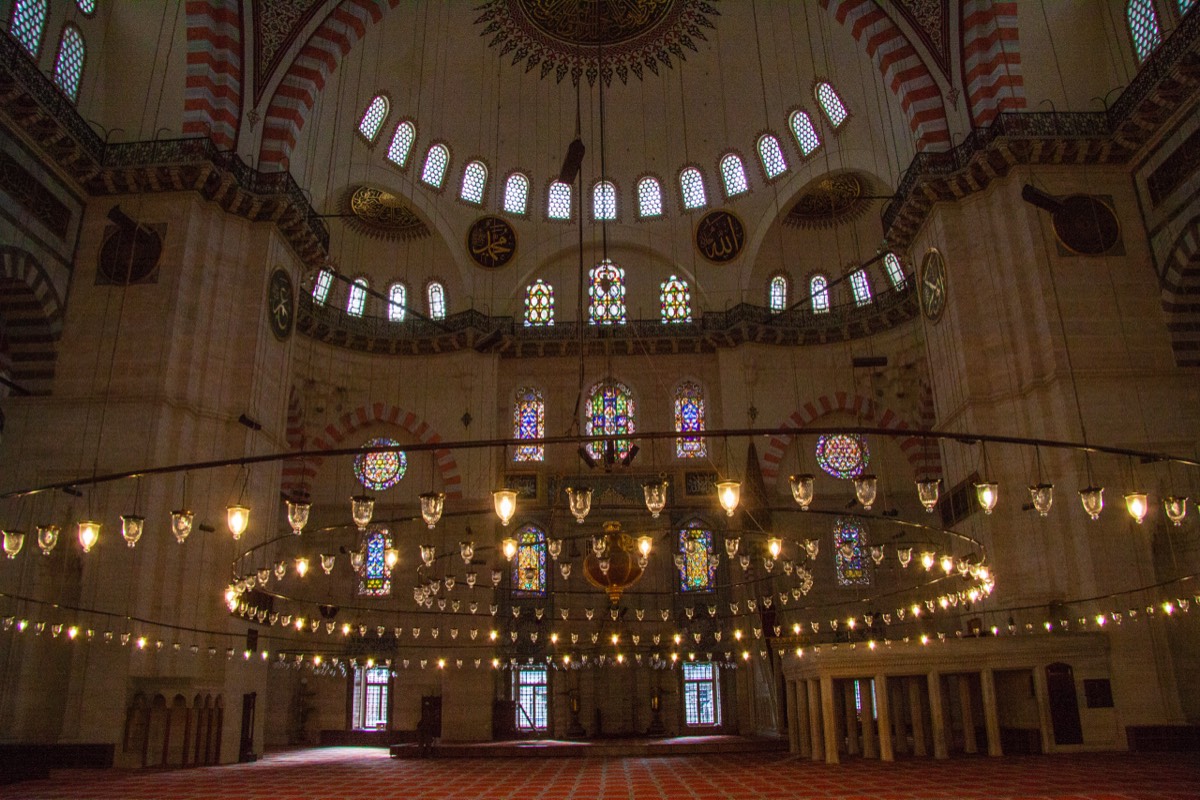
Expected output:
(381, 469)
(843, 455)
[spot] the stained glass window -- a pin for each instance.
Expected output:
(831, 104)
(843, 455)
(691, 186)
(28, 21)
(373, 117)
(701, 694)
(1185, 5)
(818, 289)
(1143, 27)
(805, 133)
(610, 411)
(894, 271)
(675, 300)
(529, 422)
(604, 200)
(861, 287)
(529, 690)
(356, 300)
(771, 154)
(436, 161)
(778, 294)
(558, 201)
(88, 7)
(435, 294)
(375, 579)
(539, 304)
(649, 197)
(689, 418)
(474, 181)
(397, 302)
(402, 142)
(371, 697)
(68, 65)
(321, 286)
(380, 469)
(848, 536)
(516, 193)
(733, 173)
(529, 564)
(699, 572)
(606, 292)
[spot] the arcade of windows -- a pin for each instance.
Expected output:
(27, 25)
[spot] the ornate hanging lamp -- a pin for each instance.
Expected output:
(505, 503)
(132, 527)
(579, 500)
(1175, 509)
(362, 509)
(13, 541)
(865, 490)
(802, 487)
(927, 493)
(297, 515)
(655, 493)
(729, 494)
(432, 504)
(47, 537)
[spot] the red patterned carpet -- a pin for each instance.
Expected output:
(338, 773)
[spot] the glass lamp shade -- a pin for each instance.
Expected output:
(865, 489)
(472, 577)
(644, 544)
(554, 548)
(13, 541)
(802, 489)
(280, 570)
(928, 559)
(428, 554)
(812, 547)
(496, 577)
(1175, 508)
(655, 493)
(1137, 505)
(391, 557)
(357, 559)
(505, 503)
(729, 493)
(509, 548)
(579, 499)
(988, 494)
(774, 546)
(47, 537)
(181, 524)
(89, 534)
(565, 569)
(877, 553)
(238, 518)
(904, 555)
(927, 493)
(131, 528)
(679, 560)
(263, 574)
(731, 545)
(362, 508)
(301, 566)
(432, 504)
(1042, 497)
(743, 561)
(466, 550)
(947, 564)
(1093, 500)
(297, 514)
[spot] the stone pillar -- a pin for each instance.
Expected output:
(868, 720)
(884, 718)
(792, 726)
(815, 724)
(937, 715)
(1041, 693)
(970, 744)
(851, 718)
(900, 730)
(829, 720)
(803, 726)
(916, 710)
(991, 717)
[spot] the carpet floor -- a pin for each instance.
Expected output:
(336, 773)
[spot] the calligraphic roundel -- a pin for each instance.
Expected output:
(491, 242)
(720, 236)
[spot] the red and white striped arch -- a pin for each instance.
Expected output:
(212, 94)
(991, 55)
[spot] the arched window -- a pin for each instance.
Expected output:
(436, 161)
(818, 289)
(397, 302)
(321, 287)
(373, 118)
(1143, 27)
(539, 304)
(697, 568)
(895, 272)
(805, 133)
(86, 7)
(435, 294)
(689, 418)
(691, 185)
(604, 200)
(610, 411)
(606, 291)
(375, 579)
(68, 64)
(516, 193)
(861, 287)
(777, 294)
(28, 22)
(402, 142)
(558, 201)
(529, 564)
(474, 181)
(529, 422)
(733, 173)
(649, 197)
(831, 104)
(356, 300)
(771, 155)
(675, 300)
(848, 535)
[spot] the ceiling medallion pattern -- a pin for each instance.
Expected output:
(563, 37)
(383, 215)
(276, 25)
(828, 202)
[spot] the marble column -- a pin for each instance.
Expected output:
(916, 710)
(829, 720)
(937, 715)
(884, 718)
(1041, 693)
(851, 718)
(970, 743)
(991, 717)
(868, 720)
(815, 719)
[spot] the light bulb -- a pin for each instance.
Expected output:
(301, 568)
(1042, 497)
(1093, 500)
(432, 504)
(987, 493)
(927, 493)
(579, 500)
(238, 518)
(509, 548)
(362, 508)
(181, 524)
(1137, 506)
(927, 560)
(505, 502)
(89, 534)
(729, 493)
(774, 546)
(297, 513)
(865, 489)
(655, 493)
(644, 545)
(131, 528)
(391, 557)
(802, 490)
(947, 564)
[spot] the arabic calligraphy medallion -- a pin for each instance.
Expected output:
(279, 304)
(492, 242)
(720, 237)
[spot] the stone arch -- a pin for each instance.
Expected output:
(923, 459)
(296, 471)
(31, 319)
(212, 93)
(1181, 295)
(991, 59)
